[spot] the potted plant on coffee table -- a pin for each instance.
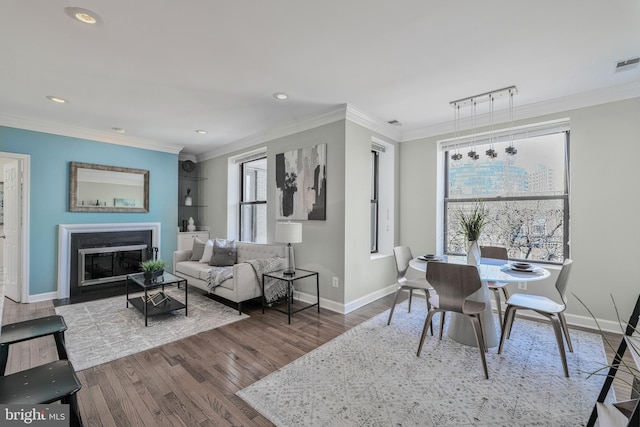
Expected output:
(152, 268)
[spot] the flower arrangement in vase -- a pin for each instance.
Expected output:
(471, 222)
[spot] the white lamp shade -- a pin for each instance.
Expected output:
(288, 232)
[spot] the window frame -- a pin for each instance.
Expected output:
(242, 203)
(375, 201)
(563, 197)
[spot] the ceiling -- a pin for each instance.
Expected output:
(163, 69)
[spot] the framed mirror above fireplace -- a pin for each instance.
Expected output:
(101, 188)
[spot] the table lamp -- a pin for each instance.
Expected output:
(289, 232)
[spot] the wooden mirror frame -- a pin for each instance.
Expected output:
(73, 189)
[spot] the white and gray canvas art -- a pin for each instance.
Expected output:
(301, 183)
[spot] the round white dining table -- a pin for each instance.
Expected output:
(491, 270)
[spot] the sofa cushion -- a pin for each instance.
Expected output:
(208, 252)
(193, 269)
(224, 253)
(198, 249)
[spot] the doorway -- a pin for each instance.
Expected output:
(14, 225)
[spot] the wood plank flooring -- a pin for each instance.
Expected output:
(192, 382)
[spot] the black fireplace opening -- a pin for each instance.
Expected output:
(100, 262)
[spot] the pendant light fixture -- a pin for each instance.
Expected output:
(456, 156)
(491, 153)
(511, 150)
(472, 153)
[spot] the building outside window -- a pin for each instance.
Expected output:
(526, 196)
(253, 201)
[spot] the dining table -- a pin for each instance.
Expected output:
(490, 270)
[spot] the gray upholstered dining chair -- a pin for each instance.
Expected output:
(402, 255)
(547, 307)
(499, 253)
(455, 283)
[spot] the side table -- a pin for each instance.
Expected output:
(299, 274)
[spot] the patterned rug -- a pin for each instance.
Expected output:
(370, 376)
(104, 330)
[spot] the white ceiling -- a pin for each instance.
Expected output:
(162, 69)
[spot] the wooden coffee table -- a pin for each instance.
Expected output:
(154, 303)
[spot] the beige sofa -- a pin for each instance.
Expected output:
(244, 284)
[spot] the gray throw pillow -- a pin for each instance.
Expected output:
(198, 249)
(224, 253)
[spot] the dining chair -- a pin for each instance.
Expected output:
(547, 307)
(454, 284)
(499, 253)
(402, 255)
(45, 383)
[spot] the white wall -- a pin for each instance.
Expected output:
(604, 202)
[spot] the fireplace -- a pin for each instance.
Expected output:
(96, 258)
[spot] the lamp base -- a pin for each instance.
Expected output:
(289, 272)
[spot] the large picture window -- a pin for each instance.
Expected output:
(526, 196)
(253, 201)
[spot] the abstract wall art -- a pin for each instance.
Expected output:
(301, 183)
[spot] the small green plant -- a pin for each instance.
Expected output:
(472, 221)
(152, 265)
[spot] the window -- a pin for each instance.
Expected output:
(375, 163)
(253, 201)
(526, 196)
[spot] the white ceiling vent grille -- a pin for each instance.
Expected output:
(627, 64)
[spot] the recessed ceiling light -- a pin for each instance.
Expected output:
(120, 130)
(280, 95)
(57, 99)
(83, 15)
(201, 131)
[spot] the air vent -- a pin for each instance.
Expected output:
(627, 64)
(394, 123)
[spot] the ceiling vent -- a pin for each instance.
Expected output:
(394, 123)
(627, 64)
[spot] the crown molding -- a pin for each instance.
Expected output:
(552, 106)
(332, 115)
(82, 133)
(340, 112)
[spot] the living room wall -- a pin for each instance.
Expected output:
(603, 205)
(328, 246)
(49, 201)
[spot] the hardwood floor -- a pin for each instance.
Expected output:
(192, 382)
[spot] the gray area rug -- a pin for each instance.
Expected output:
(104, 330)
(370, 376)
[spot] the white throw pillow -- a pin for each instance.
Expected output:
(208, 252)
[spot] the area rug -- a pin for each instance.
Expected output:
(370, 376)
(104, 330)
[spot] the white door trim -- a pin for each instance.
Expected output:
(24, 163)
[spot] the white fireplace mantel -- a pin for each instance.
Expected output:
(64, 245)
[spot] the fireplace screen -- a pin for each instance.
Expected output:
(109, 264)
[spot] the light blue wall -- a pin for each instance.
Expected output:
(50, 157)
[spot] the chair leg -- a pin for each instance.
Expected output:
(60, 346)
(563, 323)
(427, 296)
(393, 307)
(4, 355)
(442, 317)
(557, 329)
(506, 328)
(427, 322)
(410, 298)
(477, 328)
(496, 295)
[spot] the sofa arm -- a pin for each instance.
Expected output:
(181, 256)
(246, 284)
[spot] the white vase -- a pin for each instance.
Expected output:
(473, 253)
(188, 200)
(191, 225)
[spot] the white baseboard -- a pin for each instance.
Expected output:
(342, 308)
(43, 297)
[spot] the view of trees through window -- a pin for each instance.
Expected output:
(525, 196)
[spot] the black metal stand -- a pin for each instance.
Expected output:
(634, 419)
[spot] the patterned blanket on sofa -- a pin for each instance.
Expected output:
(274, 289)
(217, 275)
